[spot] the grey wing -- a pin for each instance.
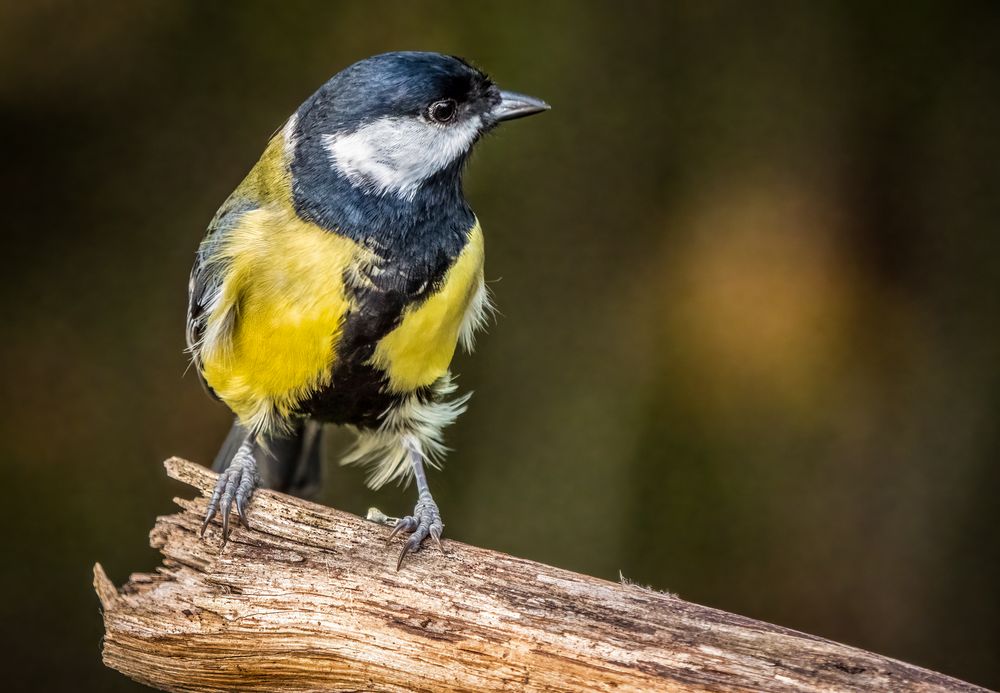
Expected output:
(206, 277)
(202, 286)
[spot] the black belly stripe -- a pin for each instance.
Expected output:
(358, 393)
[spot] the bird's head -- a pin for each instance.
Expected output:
(390, 123)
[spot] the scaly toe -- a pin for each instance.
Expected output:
(227, 501)
(403, 524)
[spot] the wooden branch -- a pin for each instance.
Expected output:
(309, 599)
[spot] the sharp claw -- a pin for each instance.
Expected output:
(213, 509)
(227, 506)
(241, 511)
(436, 536)
(225, 525)
(204, 525)
(409, 547)
(394, 532)
(213, 505)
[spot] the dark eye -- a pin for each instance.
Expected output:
(442, 111)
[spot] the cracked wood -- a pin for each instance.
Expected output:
(308, 599)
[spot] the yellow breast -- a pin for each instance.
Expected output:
(418, 351)
(284, 294)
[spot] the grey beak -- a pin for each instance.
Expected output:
(513, 105)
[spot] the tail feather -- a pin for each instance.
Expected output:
(290, 463)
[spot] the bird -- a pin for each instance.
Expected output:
(334, 285)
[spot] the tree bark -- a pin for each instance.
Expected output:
(309, 599)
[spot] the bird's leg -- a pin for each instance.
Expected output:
(426, 518)
(235, 485)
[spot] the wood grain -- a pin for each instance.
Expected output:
(309, 600)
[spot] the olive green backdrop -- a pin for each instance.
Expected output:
(747, 270)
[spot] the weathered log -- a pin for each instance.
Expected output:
(309, 599)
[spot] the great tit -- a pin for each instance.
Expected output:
(335, 282)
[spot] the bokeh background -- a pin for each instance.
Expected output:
(747, 271)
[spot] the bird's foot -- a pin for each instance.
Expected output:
(425, 521)
(235, 485)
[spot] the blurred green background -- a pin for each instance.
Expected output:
(748, 275)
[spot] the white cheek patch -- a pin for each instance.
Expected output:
(396, 154)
